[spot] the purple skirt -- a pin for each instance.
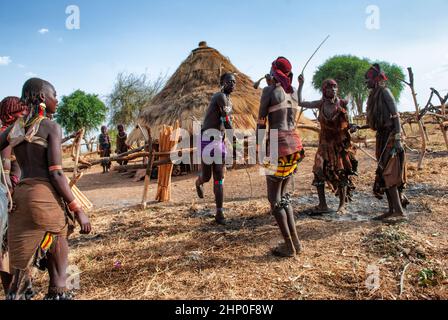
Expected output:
(208, 149)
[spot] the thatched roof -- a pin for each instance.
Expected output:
(188, 92)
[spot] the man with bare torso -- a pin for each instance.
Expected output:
(279, 110)
(217, 120)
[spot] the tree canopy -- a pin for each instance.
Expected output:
(81, 110)
(130, 95)
(349, 72)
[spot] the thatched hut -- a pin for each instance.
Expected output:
(188, 92)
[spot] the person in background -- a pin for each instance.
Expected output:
(105, 148)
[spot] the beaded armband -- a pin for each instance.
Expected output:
(54, 168)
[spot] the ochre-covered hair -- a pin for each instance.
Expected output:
(10, 110)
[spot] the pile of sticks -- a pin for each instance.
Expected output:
(169, 137)
(76, 156)
(81, 197)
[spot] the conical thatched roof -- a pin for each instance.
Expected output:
(188, 92)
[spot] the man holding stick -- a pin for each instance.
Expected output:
(279, 110)
(383, 117)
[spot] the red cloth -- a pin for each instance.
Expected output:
(289, 142)
(281, 70)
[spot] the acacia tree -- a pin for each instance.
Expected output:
(349, 72)
(81, 110)
(130, 95)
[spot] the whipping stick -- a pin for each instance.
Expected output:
(306, 65)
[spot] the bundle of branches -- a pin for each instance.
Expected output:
(169, 137)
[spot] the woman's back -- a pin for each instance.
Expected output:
(33, 156)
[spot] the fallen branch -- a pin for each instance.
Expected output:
(137, 154)
(142, 166)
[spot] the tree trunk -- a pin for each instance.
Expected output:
(359, 105)
(87, 142)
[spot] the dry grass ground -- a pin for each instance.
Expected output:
(175, 251)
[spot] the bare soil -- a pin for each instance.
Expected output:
(176, 251)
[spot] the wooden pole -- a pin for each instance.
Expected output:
(148, 168)
(77, 145)
(443, 101)
(420, 124)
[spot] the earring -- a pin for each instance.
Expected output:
(42, 109)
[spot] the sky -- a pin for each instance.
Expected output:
(154, 37)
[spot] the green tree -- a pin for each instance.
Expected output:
(349, 72)
(81, 110)
(130, 95)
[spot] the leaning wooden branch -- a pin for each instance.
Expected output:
(77, 151)
(150, 151)
(417, 117)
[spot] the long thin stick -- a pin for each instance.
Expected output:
(367, 154)
(306, 65)
(311, 58)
